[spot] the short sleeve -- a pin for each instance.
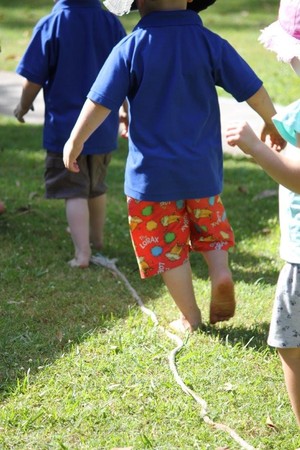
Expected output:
(287, 122)
(234, 74)
(36, 60)
(112, 83)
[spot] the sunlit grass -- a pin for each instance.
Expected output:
(83, 368)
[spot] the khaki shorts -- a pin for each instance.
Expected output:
(60, 183)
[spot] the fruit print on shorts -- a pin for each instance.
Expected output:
(163, 233)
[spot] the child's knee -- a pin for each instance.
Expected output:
(289, 354)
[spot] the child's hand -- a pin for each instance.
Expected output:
(20, 112)
(242, 135)
(272, 138)
(70, 155)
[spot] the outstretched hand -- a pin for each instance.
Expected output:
(271, 137)
(242, 135)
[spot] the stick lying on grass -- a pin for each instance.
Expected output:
(110, 264)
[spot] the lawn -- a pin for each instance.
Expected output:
(82, 366)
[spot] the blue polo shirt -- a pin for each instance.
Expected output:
(66, 51)
(168, 68)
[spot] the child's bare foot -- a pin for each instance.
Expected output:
(81, 263)
(97, 245)
(222, 305)
(182, 325)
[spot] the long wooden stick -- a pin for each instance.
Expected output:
(111, 265)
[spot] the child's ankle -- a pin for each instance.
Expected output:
(182, 325)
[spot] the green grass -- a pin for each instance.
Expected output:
(82, 367)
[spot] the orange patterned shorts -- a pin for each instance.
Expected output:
(163, 233)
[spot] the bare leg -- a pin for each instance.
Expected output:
(290, 359)
(222, 305)
(180, 285)
(97, 209)
(78, 219)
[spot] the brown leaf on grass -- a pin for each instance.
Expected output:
(265, 194)
(11, 58)
(222, 448)
(270, 424)
(266, 230)
(243, 189)
(59, 335)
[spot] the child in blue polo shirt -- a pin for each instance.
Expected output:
(67, 49)
(168, 69)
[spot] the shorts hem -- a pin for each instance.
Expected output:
(277, 344)
(161, 271)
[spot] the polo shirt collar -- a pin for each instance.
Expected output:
(70, 3)
(165, 18)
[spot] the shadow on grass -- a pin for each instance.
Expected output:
(254, 337)
(48, 308)
(247, 268)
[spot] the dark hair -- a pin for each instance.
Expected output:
(196, 5)
(199, 5)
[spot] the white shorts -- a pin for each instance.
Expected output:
(285, 323)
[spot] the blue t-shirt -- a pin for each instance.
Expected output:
(168, 68)
(66, 52)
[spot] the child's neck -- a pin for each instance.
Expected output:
(162, 5)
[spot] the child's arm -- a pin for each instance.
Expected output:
(261, 103)
(91, 117)
(282, 169)
(29, 92)
(123, 120)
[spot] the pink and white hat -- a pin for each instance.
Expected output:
(283, 36)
